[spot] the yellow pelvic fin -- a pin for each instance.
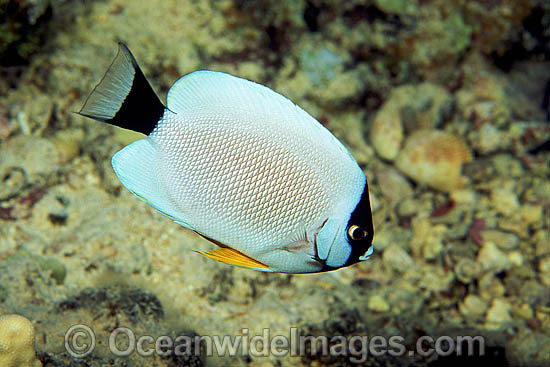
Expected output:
(233, 257)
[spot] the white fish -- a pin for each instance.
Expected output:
(242, 166)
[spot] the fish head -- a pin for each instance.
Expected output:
(344, 240)
(340, 243)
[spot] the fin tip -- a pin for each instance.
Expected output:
(124, 97)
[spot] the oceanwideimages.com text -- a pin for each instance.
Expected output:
(80, 341)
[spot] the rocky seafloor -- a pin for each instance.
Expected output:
(445, 105)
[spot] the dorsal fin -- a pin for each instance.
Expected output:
(124, 97)
(214, 90)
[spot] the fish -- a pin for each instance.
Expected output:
(240, 165)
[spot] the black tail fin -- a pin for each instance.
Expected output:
(124, 97)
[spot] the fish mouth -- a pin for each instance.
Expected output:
(367, 253)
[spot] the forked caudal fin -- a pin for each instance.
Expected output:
(124, 97)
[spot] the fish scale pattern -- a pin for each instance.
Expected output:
(237, 185)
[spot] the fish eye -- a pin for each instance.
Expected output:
(356, 233)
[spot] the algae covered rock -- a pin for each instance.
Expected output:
(41, 157)
(408, 108)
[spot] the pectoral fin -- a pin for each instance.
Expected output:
(233, 257)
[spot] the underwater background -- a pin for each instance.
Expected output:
(445, 106)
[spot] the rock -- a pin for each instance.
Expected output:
(386, 132)
(473, 306)
(427, 239)
(541, 191)
(378, 303)
(544, 270)
(41, 156)
(524, 311)
(451, 214)
(346, 127)
(493, 259)
(432, 249)
(67, 143)
(478, 170)
(138, 261)
(344, 87)
(434, 278)
(392, 184)
(531, 215)
(53, 266)
(464, 196)
(411, 207)
(429, 105)
(542, 240)
(498, 314)
(533, 293)
(12, 182)
(526, 135)
(383, 238)
(392, 235)
(487, 139)
(516, 258)
(490, 287)
(467, 270)
(504, 240)
(408, 108)
(321, 63)
(395, 6)
(507, 165)
(396, 258)
(34, 117)
(504, 201)
(434, 158)
(49, 265)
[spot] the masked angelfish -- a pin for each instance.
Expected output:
(240, 165)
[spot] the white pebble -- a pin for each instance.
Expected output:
(491, 258)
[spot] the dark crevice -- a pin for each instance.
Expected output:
(369, 14)
(311, 16)
(535, 27)
(26, 35)
(489, 356)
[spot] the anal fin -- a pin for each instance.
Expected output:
(233, 257)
